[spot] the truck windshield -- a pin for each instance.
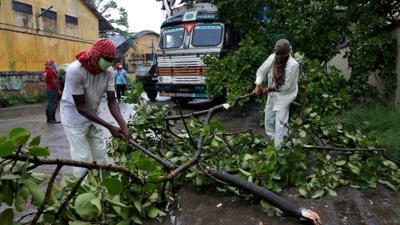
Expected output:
(172, 38)
(207, 35)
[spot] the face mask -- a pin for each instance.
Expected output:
(120, 66)
(104, 64)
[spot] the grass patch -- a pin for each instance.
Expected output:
(383, 122)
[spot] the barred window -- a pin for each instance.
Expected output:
(49, 14)
(71, 19)
(22, 7)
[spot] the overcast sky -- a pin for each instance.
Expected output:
(143, 14)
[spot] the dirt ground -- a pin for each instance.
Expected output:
(378, 206)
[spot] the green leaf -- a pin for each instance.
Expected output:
(35, 141)
(7, 148)
(84, 207)
(303, 192)
(136, 220)
(340, 163)
(355, 169)
(19, 135)
(244, 172)
(78, 222)
(96, 202)
(332, 192)
(302, 133)
(36, 192)
(7, 217)
(39, 151)
(153, 212)
(116, 202)
(137, 205)
(113, 185)
(318, 194)
(124, 222)
(9, 177)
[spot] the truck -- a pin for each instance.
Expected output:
(186, 35)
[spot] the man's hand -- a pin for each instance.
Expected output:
(59, 92)
(257, 90)
(126, 134)
(265, 91)
(116, 132)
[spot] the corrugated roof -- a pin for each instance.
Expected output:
(143, 32)
(117, 39)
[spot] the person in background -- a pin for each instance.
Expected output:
(86, 81)
(282, 87)
(52, 89)
(120, 79)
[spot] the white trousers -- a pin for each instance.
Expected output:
(86, 144)
(276, 123)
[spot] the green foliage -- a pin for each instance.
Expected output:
(319, 86)
(22, 98)
(378, 120)
(318, 27)
(234, 75)
(105, 7)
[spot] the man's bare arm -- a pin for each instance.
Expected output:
(84, 111)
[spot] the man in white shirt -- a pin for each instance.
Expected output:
(86, 81)
(282, 71)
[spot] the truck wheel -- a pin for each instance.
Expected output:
(182, 100)
(151, 94)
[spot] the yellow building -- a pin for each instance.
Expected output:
(142, 50)
(32, 31)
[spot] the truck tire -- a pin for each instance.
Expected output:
(182, 100)
(151, 94)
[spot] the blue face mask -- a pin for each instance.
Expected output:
(104, 64)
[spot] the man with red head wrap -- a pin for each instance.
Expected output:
(86, 81)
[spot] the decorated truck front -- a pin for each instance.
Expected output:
(185, 37)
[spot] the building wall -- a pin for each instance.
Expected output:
(142, 45)
(28, 40)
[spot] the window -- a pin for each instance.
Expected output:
(172, 38)
(71, 20)
(22, 7)
(49, 14)
(207, 35)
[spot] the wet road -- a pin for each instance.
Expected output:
(378, 206)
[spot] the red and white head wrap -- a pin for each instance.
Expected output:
(102, 48)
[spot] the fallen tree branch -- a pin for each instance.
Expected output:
(87, 165)
(163, 161)
(200, 141)
(47, 196)
(71, 195)
(272, 198)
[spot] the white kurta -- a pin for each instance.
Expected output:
(277, 107)
(85, 137)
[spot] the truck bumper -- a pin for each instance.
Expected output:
(182, 90)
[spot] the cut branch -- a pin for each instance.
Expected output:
(63, 162)
(200, 141)
(47, 196)
(71, 195)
